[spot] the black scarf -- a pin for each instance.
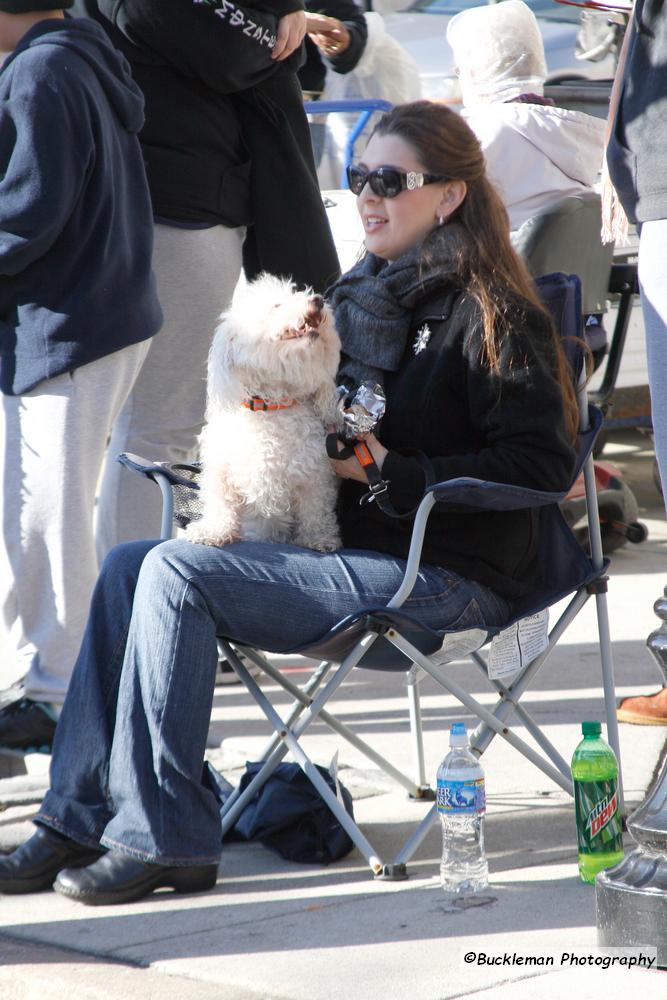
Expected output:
(373, 303)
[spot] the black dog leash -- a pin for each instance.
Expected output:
(378, 488)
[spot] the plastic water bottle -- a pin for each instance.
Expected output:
(595, 778)
(461, 804)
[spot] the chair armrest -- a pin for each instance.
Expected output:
(178, 486)
(483, 495)
(464, 492)
(153, 470)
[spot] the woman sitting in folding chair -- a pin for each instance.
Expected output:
(476, 386)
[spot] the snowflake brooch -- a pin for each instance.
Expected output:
(422, 338)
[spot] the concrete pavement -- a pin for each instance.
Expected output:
(278, 931)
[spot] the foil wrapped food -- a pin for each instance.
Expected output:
(361, 408)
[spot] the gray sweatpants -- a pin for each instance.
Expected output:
(196, 271)
(52, 447)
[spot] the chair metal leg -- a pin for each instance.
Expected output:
(493, 728)
(237, 800)
(313, 682)
(290, 741)
(515, 690)
(303, 700)
(413, 842)
(301, 695)
(336, 807)
(274, 750)
(477, 709)
(492, 724)
(550, 750)
(608, 683)
(417, 732)
(606, 656)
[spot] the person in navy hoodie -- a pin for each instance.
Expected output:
(226, 150)
(78, 309)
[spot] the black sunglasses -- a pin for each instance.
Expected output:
(387, 182)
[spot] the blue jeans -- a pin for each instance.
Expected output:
(127, 767)
(652, 271)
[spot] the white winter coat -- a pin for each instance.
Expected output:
(537, 154)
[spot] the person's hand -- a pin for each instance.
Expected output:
(349, 468)
(329, 34)
(291, 32)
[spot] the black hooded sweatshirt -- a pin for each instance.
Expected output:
(226, 139)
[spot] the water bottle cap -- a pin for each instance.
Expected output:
(458, 735)
(591, 728)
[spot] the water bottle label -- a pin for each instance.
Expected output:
(598, 817)
(461, 796)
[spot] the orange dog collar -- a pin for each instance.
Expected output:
(259, 405)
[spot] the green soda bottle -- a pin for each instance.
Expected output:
(595, 777)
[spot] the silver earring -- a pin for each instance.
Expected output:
(441, 220)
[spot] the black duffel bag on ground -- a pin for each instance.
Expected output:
(289, 815)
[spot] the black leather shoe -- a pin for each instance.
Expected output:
(27, 726)
(34, 865)
(118, 878)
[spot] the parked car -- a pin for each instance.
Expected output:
(422, 27)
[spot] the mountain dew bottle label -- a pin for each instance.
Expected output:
(596, 802)
(599, 829)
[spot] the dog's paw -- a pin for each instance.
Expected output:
(200, 533)
(319, 544)
(332, 546)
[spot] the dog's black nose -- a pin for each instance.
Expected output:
(314, 310)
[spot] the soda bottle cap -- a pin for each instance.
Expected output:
(591, 728)
(458, 736)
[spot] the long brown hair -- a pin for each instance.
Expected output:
(489, 268)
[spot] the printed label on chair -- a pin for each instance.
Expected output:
(457, 645)
(518, 645)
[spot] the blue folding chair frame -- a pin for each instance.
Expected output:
(366, 107)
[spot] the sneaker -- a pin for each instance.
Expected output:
(27, 726)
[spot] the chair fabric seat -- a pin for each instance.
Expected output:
(382, 655)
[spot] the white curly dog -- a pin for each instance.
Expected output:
(271, 394)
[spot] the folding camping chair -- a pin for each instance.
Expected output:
(390, 639)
